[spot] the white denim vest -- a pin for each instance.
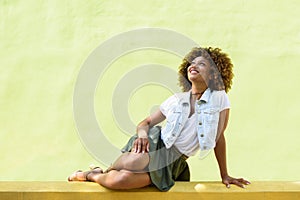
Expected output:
(207, 110)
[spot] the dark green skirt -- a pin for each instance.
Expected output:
(166, 165)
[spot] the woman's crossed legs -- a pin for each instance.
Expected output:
(127, 172)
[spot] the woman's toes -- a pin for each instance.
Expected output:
(77, 176)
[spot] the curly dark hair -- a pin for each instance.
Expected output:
(221, 73)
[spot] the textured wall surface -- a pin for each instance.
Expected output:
(44, 43)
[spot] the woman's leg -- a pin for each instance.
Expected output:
(114, 179)
(127, 172)
(130, 161)
(122, 179)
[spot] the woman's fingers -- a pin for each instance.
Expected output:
(137, 146)
(141, 145)
(245, 182)
(148, 147)
(236, 181)
(145, 145)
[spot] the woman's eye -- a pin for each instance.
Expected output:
(196, 64)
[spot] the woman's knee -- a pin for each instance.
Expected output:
(132, 161)
(136, 161)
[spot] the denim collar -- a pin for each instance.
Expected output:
(185, 96)
(206, 95)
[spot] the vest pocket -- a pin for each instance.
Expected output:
(211, 116)
(172, 123)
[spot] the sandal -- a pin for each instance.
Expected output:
(95, 169)
(73, 177)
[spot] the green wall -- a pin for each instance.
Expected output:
(43, 45)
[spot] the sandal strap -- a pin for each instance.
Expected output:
(93, 168)
(90, 172)
(87, 174)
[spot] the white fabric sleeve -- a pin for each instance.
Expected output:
(224, 101)
(166, 105)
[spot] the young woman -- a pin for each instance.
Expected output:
(196, 119)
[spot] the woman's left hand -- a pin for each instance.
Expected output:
(227, 180)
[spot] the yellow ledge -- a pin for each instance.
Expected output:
(21, 190)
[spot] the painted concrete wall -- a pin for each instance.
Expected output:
(43, 45)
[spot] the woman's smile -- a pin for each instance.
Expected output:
(193, 70)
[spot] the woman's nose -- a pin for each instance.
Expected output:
(193, 65)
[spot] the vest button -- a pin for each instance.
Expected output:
(202, 135)
(200, 123)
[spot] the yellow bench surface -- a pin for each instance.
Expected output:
(24, 190)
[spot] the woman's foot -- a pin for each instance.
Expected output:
(77, 176)
(95, 169)
(83, 176)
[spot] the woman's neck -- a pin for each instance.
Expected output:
(198, 89)
(196, 95)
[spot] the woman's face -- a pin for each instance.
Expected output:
(198, 71)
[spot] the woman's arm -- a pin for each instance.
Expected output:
(220, 149)
(220, 152)
(141, 145)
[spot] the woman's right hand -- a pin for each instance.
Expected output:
(141, 145)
